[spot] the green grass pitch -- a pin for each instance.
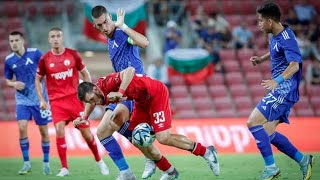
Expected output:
(233, 167)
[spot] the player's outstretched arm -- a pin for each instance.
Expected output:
(258, 60)
(86, 75)
(43, 103)
(135, 38)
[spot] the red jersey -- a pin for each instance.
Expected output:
(141, 89)
(61, 72)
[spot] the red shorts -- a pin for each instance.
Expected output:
(156, 112)
(67, 109)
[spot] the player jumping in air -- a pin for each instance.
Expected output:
(274, 108)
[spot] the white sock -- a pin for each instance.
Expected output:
(27, 163)
(46, 164)
(271, 166)
(126, 171)
(170, 170)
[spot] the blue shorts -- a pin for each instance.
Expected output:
(41, 117)
(128, 103)
(275, 107)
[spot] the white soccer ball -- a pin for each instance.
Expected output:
(143, 135)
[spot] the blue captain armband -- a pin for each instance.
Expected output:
(279, 79)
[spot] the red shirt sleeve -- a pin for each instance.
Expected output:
(41, 71)
(79, 63)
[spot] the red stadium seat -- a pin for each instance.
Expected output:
(183, 104)
(179, 91)
(305, 112)
(11, 9)
(253, 78)
(248, 7)
(218, 91)
(199, 91)
(302, 103)
(210, 6)
(248, 67)
(245, 54)
(215, 79)
(243, 102)
(207, 114)
(230, 6)
(231, 66)
(313, 91)
(261, 42)
(315, 102)
(226, 113)
(234, 78)
(233, 19)
(244, 112)
(222, 103)
(227, 54)
(238, 90)
(251, 19)
(186, 114)
(49, 9)
(203, 104)
(257, 91)
(176, 80)
(8, 93)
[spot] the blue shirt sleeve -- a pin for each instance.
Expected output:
(291, 49)
(8, 71)
(38, 55)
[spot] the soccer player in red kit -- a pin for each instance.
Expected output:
(151, 100)
(60, 66)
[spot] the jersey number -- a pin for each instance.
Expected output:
(269, 99)
(159, 117)
(46, 114)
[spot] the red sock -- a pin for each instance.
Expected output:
(163, 164)
(62, 151)
(94, 148)
(199, 150)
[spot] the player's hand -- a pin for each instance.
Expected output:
(79, 121)
(19, 85)
(255, 60)
(269, 84)
(116, 97)
(43, 105)
(120, 18)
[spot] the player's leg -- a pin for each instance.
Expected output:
(282, 143)
(269, 106)
(23, 115)
(107, 127)
(74, 110)
(153, 154)
(90, 140)
(42, 117)
(61, 147)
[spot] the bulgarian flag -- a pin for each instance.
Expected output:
(135, 16)
(194, 65)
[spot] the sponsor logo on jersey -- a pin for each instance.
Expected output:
(51, 65)
(63, 75)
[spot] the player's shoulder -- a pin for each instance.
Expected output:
(10, 56)
(46, 55)
(287, 34)
(71, 51)
(32, 50)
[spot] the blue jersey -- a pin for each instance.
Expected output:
(24, 68)
(283, 50)
(123, 54)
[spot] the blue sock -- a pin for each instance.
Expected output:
(285, 146)
(45, 150)
(263, 143)
(115, 152)
(125, 132)
(24, 145)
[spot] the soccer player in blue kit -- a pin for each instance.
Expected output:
(23, 63)
(123, 45)
(274, 108)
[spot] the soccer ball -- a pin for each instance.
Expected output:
(143, 135)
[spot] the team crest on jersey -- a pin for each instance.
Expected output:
(14, 66)
(276, 47)
(67, 62)
(51, 65)
(29, 61)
